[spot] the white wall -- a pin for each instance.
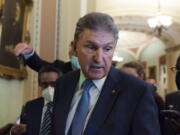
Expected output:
(152, 52)
(11, 100)
(127, 57)
(151, 55)
(70, 12)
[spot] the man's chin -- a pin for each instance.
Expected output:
(95, 76)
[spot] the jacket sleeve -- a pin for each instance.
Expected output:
(35, 62)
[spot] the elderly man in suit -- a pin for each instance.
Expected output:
(99, 99)
(35, 113)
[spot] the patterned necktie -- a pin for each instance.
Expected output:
(46, 127)
(80, 115)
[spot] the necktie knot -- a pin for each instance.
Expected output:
(87, 84)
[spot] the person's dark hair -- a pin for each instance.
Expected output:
(138, 67)
(178, 73)
(48, 68)
(96, 21)
(178, 63)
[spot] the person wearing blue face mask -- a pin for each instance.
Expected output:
(35, 111)
(36, 63)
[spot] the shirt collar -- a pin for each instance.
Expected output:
(98, 83)
(45, 101)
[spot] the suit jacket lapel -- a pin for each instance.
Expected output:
(65, 95)
(104, 104)
(37, 116)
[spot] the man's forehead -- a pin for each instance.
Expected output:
(97, 36)
(107, 43)
(96, 32)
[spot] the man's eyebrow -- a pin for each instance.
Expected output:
(95, 43)
(91, 42)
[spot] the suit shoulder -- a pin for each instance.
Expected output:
(173, 94)
(59, 64)
(35, 101)
(130, 82)
(68, 77)
(64, 66)
(128, 78)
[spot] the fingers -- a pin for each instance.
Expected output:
(18, 129)
(22, 48)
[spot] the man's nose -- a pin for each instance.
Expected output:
(98, 56)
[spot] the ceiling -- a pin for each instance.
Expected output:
(131, 18)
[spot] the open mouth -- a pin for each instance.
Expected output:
(96, 67)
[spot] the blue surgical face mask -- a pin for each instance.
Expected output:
(75, 63)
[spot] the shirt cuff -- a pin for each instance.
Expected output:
(27, 56)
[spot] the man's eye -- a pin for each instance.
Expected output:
(91, 47)
(108, 49)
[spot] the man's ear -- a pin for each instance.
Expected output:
(74, 47)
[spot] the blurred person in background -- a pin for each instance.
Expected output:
(34, 111)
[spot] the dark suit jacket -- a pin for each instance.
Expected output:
(31, 115)
(125, 107)
(172, 99)
(35, 62)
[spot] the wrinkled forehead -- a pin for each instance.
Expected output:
(98, 35)
(98, 30)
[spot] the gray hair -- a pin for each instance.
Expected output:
(96, 21)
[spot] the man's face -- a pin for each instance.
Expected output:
(48, 79)
(95, 51)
